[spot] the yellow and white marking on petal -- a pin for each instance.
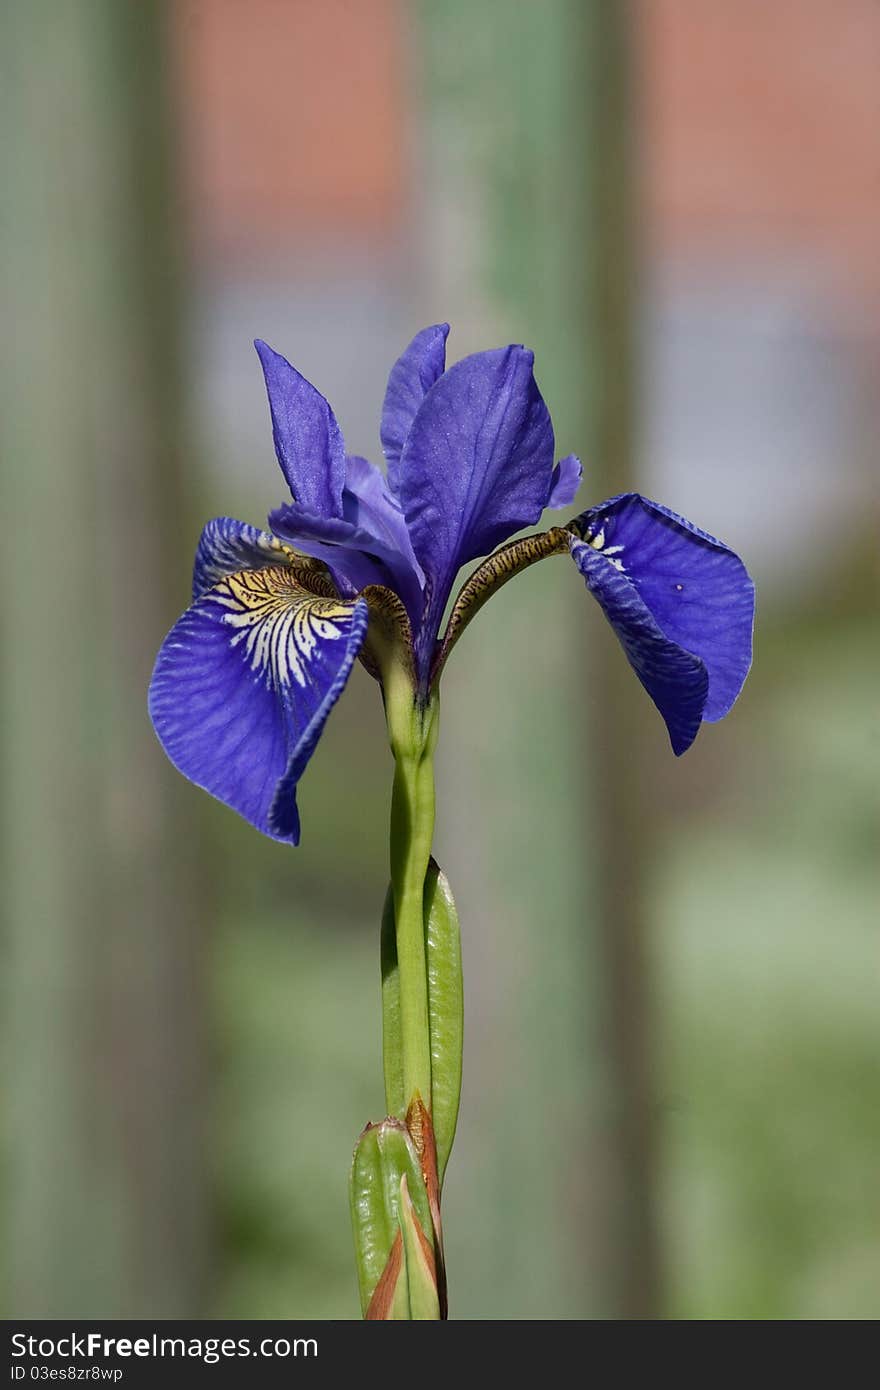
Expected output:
(279, 622)
(610, 552)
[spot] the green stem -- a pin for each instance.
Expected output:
(412, 729)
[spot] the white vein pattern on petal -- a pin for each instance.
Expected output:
(596, 539)
(279, 625)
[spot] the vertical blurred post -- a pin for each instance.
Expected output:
(623, 737)
(528, 239)
(102, 1176)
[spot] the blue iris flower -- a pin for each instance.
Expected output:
(246, 679)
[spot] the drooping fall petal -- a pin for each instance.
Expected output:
(681, 603)
(244, 683)
(227, 545)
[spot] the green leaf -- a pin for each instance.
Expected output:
(445, 1011)
(385, 1157)
(419, 1262)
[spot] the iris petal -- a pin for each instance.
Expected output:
(676, 681)
(565, 481)
(411, 377)
(476, 467)
(308, 441)
(244, 683)
(227, 545)
(697, 590)
(355, 556)
(369, 503)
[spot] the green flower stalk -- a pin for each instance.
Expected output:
(412, 729)
(422, 1019)
(361, 565)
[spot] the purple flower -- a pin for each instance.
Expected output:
(245, 680)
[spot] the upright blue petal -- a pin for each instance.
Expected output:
(244, 683)
(410, 379)
(697, 590)
(226, 545)
(308, 441)
(565, 481)
(476, 467)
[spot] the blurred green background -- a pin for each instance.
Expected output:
(672, 1040)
